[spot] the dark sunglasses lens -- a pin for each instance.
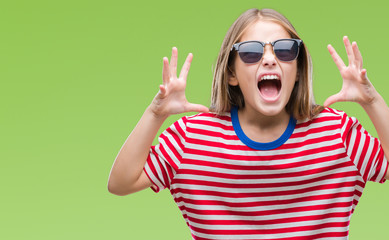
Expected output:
(286, 50)
(250, 52)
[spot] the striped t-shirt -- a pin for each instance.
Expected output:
(305, 185)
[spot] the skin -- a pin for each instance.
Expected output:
(263, 120)
(127, 175)
(358, 88)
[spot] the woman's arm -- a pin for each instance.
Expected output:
(378, 112)
(127, 175)
(357, 88)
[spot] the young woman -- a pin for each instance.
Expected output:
(266, 162)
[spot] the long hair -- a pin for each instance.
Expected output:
(301, 104)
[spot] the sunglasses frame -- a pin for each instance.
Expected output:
(299, 43)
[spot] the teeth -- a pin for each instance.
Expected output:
(268, 77)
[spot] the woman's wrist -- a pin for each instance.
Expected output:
(156, 113)
(373, 99)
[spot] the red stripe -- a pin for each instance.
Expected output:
(263, 185)
(356, 142)
(379, 167)
(165, 180)
(233, 204)
(241, 166)
(211, 116)
(266, 166)
(253, 213)
(155, 186)
(209, 133)
(166, 155)
(163, 167)
(264, 158)
(262, 194)
(247, 175)
(327, 234)
(323, 119)
(242, 147)
(372, 159)
(274, 230)
(151, 164)
(362, 157)
(305, 143)
(212, 123)
(314, 130)
(181, 131)
(347, 132)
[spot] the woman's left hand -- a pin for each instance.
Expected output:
(356, 86)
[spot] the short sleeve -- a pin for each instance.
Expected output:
(164, 159)
(364, 150)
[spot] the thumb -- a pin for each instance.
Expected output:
(191, 107)
(333, 99)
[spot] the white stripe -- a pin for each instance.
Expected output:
(265, 207)
(269, 181)
(313, 126)
(367, 155)
(276, 166)
(309, 147)
(274, 162)
(205, 136)
(270, 198)
(345, 125)
(214, 119)
(175, 145)
(271, 226)
(382, 170)
(183, 128)
(217, 130)
(313, 136)
(273, 236)
(260, 190)
(158, 169)
(154, 179)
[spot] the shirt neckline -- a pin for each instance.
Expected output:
(259, 145)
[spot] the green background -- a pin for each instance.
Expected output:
(77, 75)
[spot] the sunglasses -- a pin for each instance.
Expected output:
(286, 50)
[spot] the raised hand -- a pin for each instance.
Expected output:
(356, 86)
(171, 97)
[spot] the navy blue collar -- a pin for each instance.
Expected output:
(258, 145)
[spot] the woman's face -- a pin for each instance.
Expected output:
(266, 85)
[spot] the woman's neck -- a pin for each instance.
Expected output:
(261, 128)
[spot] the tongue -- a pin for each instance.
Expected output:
(268, 89)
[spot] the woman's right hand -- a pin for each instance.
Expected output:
(171, 97)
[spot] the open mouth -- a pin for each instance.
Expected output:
(269, 86)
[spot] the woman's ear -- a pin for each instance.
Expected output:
(232, 80)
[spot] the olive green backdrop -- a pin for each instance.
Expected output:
(75, 76)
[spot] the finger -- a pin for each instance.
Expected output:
(349, 50)
(173, 63)
(162, 90)
(357, 55)
(333, 99)
(165, 71)
(338, 61)
(191, 107)
(186, 67)
(364, 74)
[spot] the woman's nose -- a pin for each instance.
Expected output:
(268, 56)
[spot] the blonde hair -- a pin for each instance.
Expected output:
(301, 104)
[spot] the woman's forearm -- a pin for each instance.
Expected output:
(378, 113)
(127, 174)
(129, 163)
